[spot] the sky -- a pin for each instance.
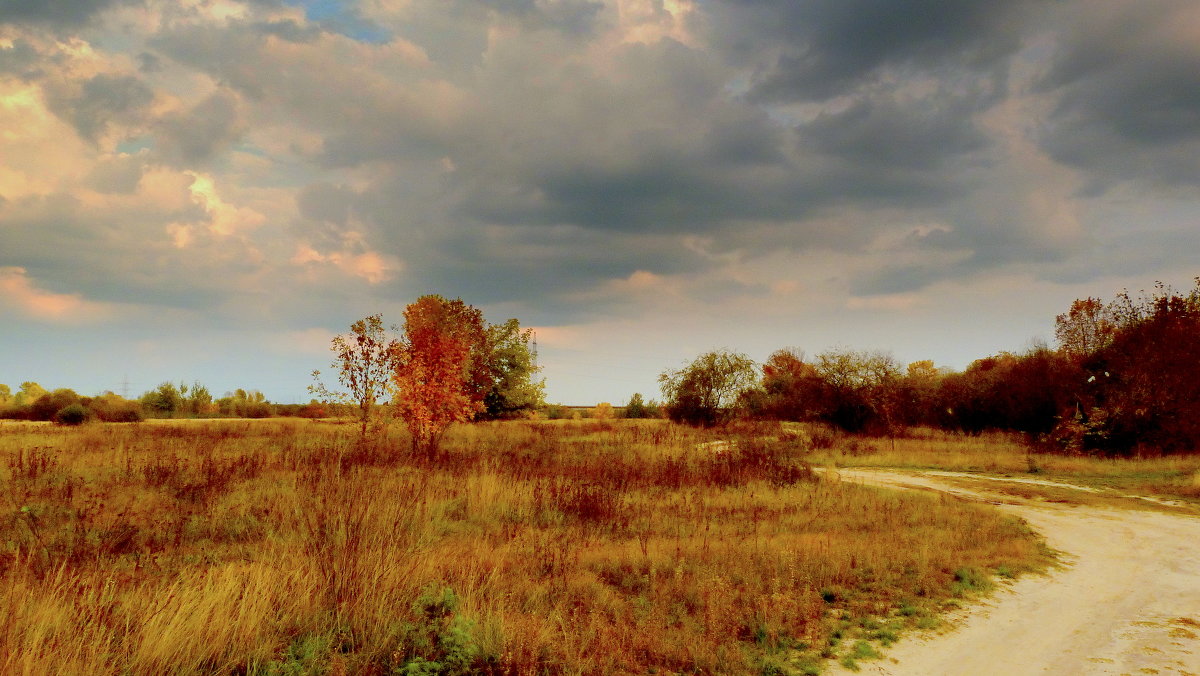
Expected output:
(210, 190)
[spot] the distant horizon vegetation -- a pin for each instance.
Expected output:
(1121, 380)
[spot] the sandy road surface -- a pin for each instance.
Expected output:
(1127, 602)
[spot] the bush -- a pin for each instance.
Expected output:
(75, 414)
(15, 413)
(112, 408)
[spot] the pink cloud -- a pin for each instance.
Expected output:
(18, 292)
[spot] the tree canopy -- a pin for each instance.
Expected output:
(705, 391)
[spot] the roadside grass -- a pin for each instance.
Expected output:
(579, 547)
(1173, 477)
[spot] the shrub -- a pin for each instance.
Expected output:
(113, 408)
(603, 411)
(75, 414)
(636, 408)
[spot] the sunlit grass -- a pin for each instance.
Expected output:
(1171, 476)
(284, 547)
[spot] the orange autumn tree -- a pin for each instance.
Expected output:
(441, 374)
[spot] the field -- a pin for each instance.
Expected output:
(576, 547)
(1175, 477)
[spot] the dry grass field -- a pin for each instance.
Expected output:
(1168, 476)
(578, 547)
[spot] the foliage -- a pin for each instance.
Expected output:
(1025, 393)
(365, 361)
(791, 388)
(1140, 391)
(72, 414)
(29, 393)
(197, 400)
(441, 374)
(510, 362)
(439, 642)
(110, 407)
(163, 401)
(636, 408)
(704, 392)
(602, 411)
(245, 404)
(1086, 327)
(860, 391)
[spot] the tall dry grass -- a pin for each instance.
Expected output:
(284, 547)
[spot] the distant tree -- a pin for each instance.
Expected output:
(441, 371)
(5, 395)
(602, 411)
(72, 414)
(919, 393)
(703, 393)
(29, 393)
(513, 389)
(365, 360)
(1086, 327)
(197, 400)
(110, 407)
(245, 404)
(636, 408)
(791, 389)
(163, 401)
(1026, 392)
(860, 390)
(1141, 391)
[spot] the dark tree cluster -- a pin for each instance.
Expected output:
(1124, 379)
(33, 402)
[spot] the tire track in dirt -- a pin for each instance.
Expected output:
(1127, 600)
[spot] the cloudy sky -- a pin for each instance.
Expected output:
(210, 189)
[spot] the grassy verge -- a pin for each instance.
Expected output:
(1175, 477)
(285, 547)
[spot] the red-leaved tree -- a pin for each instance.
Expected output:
(441, 372)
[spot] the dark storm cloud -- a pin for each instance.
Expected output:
(21, 60)
(814, 50)
(530, 152)
(571, 16)
(656, 145)
(326, 203)
(193, 137)
(117, 174)
(65, 13)
(1127, 80)
(387, 113)
(882, 132)
(546, 268)
(94, 104)
(454, 33)
(118, 258)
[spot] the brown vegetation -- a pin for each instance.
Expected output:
(285, 547)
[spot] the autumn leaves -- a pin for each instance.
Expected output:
(447, 366)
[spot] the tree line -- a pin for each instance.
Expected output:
(33, 402)
(1123, 379)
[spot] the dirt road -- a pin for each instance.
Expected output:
(1126, 602)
